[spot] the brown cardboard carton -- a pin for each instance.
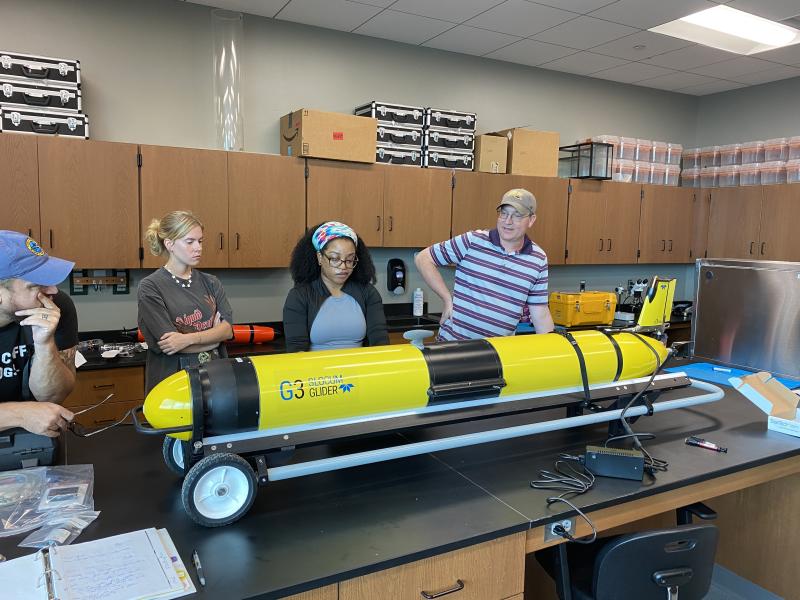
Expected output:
(531, 152)
(491, 153)
(319, 134)
(778, 402)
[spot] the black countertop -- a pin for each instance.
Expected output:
(307, 532)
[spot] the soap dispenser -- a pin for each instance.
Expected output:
(396, 276)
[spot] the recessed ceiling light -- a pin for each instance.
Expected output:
(729, 29)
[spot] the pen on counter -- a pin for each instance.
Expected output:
(198, 567)
(722, 370)
(701, 443)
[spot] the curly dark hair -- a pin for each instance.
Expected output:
(305, 268)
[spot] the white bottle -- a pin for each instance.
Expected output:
(418, 301)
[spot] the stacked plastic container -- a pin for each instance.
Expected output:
(638, 160)
(690, 172)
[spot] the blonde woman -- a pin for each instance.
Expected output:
(184, 314)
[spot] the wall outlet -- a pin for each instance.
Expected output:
(549, 529)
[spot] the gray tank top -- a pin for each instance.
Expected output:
(340, 323)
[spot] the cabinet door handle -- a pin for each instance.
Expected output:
(609, 245)
(30, 232)
(379, 223)
(221, 240)
(237, 240)
(51, 239)
(456, 588)
(663, 245)
(670, 246)
(763, 247)
(601, 245)
(391, 222)
(103, 386)
(751, 247)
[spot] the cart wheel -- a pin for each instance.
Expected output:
(219, 490)
(174, 452)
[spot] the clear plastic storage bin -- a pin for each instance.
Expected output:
(644, 150)
(674, 152)
(773, 172)
(794, 147)
(691, 158)
(622, 170)
(730, 154)
(627, 148)
(793, 171)
(641, 172)
(659, 153)
(690, 177)
(672, 174)
(750, 174)
(776, 149)
(709, 156)
(752, 152)
(709, 177)
(658, 173)
(729, 176)
(608, 139)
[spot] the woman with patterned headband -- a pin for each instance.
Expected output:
(334, 303)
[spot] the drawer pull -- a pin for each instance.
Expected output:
(103, 386)
(456, 588)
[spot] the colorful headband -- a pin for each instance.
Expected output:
(330, 231)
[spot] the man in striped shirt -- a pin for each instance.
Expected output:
(498, 273)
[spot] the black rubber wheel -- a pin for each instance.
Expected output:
(174, 453)
(219, 490)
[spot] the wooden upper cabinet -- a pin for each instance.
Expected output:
(665, 227)
(348, 192)
(701, 208)
(476, 196)
(622, 215)
(734, 220)
(19, 181)
(780, 214)
(187, 179)
(416, 206)
(267, 208)
(586, 239)
(89, 201)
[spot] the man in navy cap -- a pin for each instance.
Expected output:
(38, 336)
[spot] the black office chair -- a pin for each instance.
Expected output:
(651, 565)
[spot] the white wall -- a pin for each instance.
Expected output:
(146, 68)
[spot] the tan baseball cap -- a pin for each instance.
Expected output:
(522, 200)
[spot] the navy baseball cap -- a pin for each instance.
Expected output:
(21, 257)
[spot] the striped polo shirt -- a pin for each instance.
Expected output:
(492, 286)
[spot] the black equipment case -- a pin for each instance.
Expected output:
(30, 66)
(15, 93)
(392, 114)
(44, 122)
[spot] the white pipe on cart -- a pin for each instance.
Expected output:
(459, 441)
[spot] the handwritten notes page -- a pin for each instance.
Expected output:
(131, 565)
(23, 578)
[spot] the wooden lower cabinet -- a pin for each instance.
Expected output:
(127, 385)
(490, 571)
(329, 592)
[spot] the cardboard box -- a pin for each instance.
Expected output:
(777, 401)
(531, 152)
(491, 153)
(318, 134)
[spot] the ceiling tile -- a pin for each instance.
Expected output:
(332, 14)
(403, 27)
(470, 40)
(584, 63)
(728, 69)
(712, 87)
(790, 55)
(262, 8)
(520, 17)
(381, 3)
(759, 77)
(455, 11)
(777, 10)
(640, 46)
(576, 6)
(632, 72)
(531, 52)
(584, 32)
(649, 13)
(675, 81)
(690, 57)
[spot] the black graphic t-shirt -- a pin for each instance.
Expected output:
(16, 347)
